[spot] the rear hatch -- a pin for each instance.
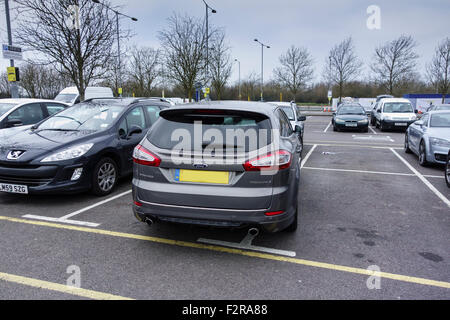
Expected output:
(201, 155)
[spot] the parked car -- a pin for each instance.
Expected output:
(429, 137)
(71, 95)
(394, 113)
(22, 112)
(384, 96)
(439, 107)
(350, 117)
(294, 115)
(85, 147)
(253, 185)
(447, 170)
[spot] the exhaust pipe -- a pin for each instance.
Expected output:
(253, 232)
(148, 221)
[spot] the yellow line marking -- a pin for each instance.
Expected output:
(266, 256)
(59, 287)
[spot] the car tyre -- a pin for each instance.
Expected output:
(406, 147)
(105, 176)
(294, 225)
(382, 127)
(422, 155)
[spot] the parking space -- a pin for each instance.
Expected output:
(361, 205)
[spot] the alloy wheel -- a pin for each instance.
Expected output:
(106, 177)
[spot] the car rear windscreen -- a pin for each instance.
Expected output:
(220, 129)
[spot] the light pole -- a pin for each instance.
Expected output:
(13, 85)
(119, 67)
(329, 84)
(208, 8)
(240, 96)
(262, 67)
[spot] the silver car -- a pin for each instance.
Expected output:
(223, 164)
(429, 138)
(294, 115)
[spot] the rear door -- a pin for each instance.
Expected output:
(202, 155)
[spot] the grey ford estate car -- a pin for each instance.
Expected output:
(223, 164)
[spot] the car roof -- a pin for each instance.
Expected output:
(281, 104)
(27, 100)
(258, 107)
(395, 100)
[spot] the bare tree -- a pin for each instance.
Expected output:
(438, 71)
(183, 44)
(81, 50)
(144, 70)
(5, 87)
(343, 65)
(220, 63)
(394, 62)
(249, 85)
(295, 70)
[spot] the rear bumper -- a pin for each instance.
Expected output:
(212, 216)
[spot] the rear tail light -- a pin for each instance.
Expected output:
(137, 204)
(145, 157)
(274, 213)
(277, 160)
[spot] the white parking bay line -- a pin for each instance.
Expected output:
(373, 130)
(66, 218)
(328, 127)
(362, 171)
(50, 219)
(308, 155)
(424, 180)
(95, 205)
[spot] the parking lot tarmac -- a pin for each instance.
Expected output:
(363, 203)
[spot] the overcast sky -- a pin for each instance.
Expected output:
(314, 24)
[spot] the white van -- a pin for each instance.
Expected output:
(394, 113)
(71, 95)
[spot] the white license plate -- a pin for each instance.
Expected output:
(351, 124)
(13, 188)
(400, 124)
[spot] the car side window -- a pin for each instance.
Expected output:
(53, 108)
(136, 118)
(28, 114)
(152, 113)
(285, 125)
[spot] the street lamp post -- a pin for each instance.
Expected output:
(119, 67)
(13, 85)
(240, 96)
(207, 40)
(262, 67)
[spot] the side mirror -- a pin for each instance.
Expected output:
(134, 130)
(379, 111)
(302, 118)
(14, 123)
(298, 129)
(334, 113)
(416, 111)
(420, 123)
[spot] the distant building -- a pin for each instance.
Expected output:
(422, 102)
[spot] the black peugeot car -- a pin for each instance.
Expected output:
(86, 147)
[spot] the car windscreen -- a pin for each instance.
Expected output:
(91, 117)
(347, 110)
(67, 98)
(226, 130)
(397, 107)
(440, 120)
(289, 112)
(5, 107)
